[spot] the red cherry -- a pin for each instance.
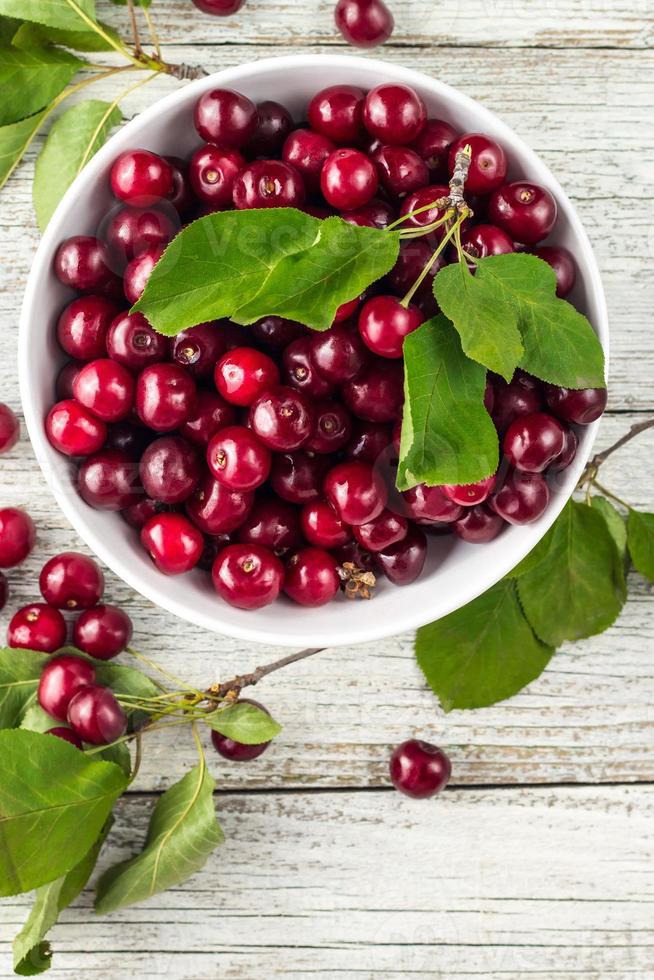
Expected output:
(226, 118)
(484, 240)
(37, 627)
(212, 172)
(478, 525)
(403, 562)
(470, 494)
(67, 734)
(385, 530)
(384, 323)
(96, 716)
(277, 333)
(419, 770)
(401, 171)
(83, 324)
(375, 214)
(346, 310)
(282, 417)
(430, 505)
(109, 480)
(312, 577)
(141, 177)
(170, 469)
(297, 477)
(133, 230)
(138, 514)
(368, 441)
(534, 441)
(376, 394)
(511, 401)
(564, 267)
(247, 576)
(138, 272)
(526, 211)
(219, 8)
(129, 438)
(173, 543)
(433, 144)
(274, 123)
(300, 371)
(106, 388)
(364, 23)
(181, 197)
(578, 405)
(71, 581)
(84, 264)
(73, 430)
(273, 524)
(102, 632)
(567, 455)
(238, 459)
(332, 428)
(243, 374)
(198, 348)
(132, 342)
(239, 751)
(17, 536)
(348, 179)
(210, 415)
(488, 165)
(216, 509)
(426, 197)
(394, 114)
(414, 256)
(337, 112)
(165, 396)
(268, 184)
(321, 527)
(522, 498)
(61, 678)
(356, 492)
(307, 152)
(338, 353)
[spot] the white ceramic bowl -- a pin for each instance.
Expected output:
(456, 572)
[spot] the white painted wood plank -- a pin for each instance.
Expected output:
(525, 883)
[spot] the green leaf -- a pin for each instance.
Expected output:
(577, 588)
(74, 138)
(35, 719)
(182, 834)
(54, 801)
(125, 680)
(640, 533)
(54, 13)
(243, 723)
(246, 264)
(30, 80)
(119, 754)
(447, 434)
(8, 28)
(19, 678)
(31, 35)
(614, 521)
(482, 653)
(32, 955)
(14, 141)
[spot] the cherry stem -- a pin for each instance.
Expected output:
(440, 203)
(459, 177)
(608, 493)
(453, 230)
(592, 468)
(138, 50)
(236, 684)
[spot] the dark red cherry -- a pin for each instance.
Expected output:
(337, 112)
(82, 326)
(274, 123)
(73, 430)
(484, 240)
(332, 428)
(311, 577)
(165, 396)
(394, 114)
(522, 498)
(298, 477)
(347, 309)
(17, 536)
(282, 417)
(429, 505)
(66, 380)
(138, 271)
(356, 492)
(238, 459)
(338, 353)
(198, 348)
(173, 543)
(210, 415)
(181, 197)
(102, 632)
(348, 179)
(534, 441)
(216, 509)
(424, 202)
(268, 184)
(403, 562)
(273, 524)
(226, 118)
(353, 553)
(138, 514)
(375, 214)
(67, 734)
(213, 545)
(401, 171)
(478, 525)
(526, 211)
(433, 144)
(170, 469)
(242, 374)
(219, 8)
(212, 172)
(37, 627)
(133, 343)
(563, 264)
(96, 716)
(129, 438)
(419, 770)
(470, 494)
(307, 152)
(141, 178)
(61, 678)
(84, 264)
(300, 370)
(133, 230)
(567, 455)
(376, 394)
(384, 323)
(364, 23)
(512, 401)
(9, 429)
(247, 576)
(71, 581)
(368, 441)
(109, 480)
(276, 333)
(488, 165)
(106, 388)
(321, 526)
(385, 530)
(415, 254)
(239, 751)
(578, 405)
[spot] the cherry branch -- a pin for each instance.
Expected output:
(233, 687)
(593, 466)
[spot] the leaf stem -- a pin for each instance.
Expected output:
(162, 670)
(425, 272)
(97, 28)
(608, 493)
(138, 50)
(154, 37)
(110, 108)
(441, 202)
(138, 755)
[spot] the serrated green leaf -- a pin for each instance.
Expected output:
(19, 678)
(482, 653)
(54, 801)
(614, 521)
(31, 35)
(35, 719)
(32, 955)
(640, 536)
(30, 80)
(54, 13)
(578, 587)
(447, 434)
(74, 138)
(182, 834)
(243, 723)
(14, 141)
(125, 680)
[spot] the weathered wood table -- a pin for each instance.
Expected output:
(538, 861)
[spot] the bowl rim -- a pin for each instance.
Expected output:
(414, 615)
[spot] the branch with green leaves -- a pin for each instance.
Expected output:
(44, 61)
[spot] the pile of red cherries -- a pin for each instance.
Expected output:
(267, 455)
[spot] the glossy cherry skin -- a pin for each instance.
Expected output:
(73, 430)
(375, 214)
(109, 480)
(219, 8)
(311, 577)
(568, 453)
(488, 166)
(368, 441)
(132, 342)
(66, 379)
(173, 543)
(165, 396)
(239, 751)
(332, 428)
(513, 400)
(102, 632)
(83, 324)
(210, 415)
(138, 514)
(212, 172)
(181, 197)
(419, 770)
(61, 678)
(71, 581)
(216, 509)
(364, 23)
(247, 576)
(394, 114)
(276, 333)
(307, 152)
(268, 184)
(426, 197)
(300, 372)
(226, 118)
(242, 374)
(133, 230)
(138, 271)
(37, 627)
(526, 211)
(403, 562)
(470, 494)
(384, 323)
(563, 264)
(198, 348)
(356, 492)
(484, 240)
(338, 353)
(534, 441)
(238, 459)
(348, 179)
(321, 526)
(414, 256)
(385, 530)
(298, 477)
(347, 309)
(84, 264)
(429, 505)
(17, 536)
(170, 469)
(478, 525)
(522, 498)
(273, 524)
(579, 406)
(106, 388)
(401, 171)
(376, 394)
(141, 178)
(283, 418)
(67, 734)
(433, 144)
(337, 112)
(96, 716)
(274, 123)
